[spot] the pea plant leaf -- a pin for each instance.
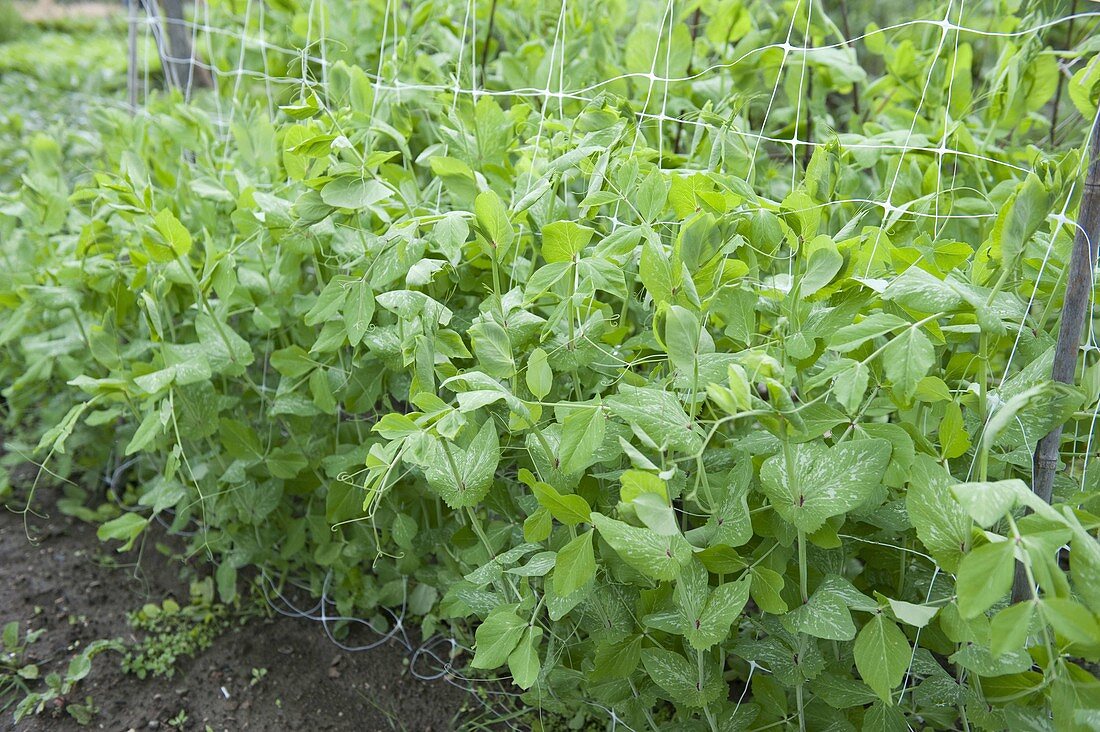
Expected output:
(985, 576)
(462, 477)
(575, 565)
(563, 241)
(497, 637)
(813, 482)
(681, 680)
(581, 435)
(656, 556)
(660, 415)
(882, 655)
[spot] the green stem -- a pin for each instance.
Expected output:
(801, 712)
(983, 404)
(475, 524)
(803, 585)
(706, 709)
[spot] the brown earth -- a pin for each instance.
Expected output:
(79, 590)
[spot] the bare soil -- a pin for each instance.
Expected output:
(78, 590)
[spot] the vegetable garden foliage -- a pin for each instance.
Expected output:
(682, 425)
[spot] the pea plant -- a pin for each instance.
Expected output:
(704, 397)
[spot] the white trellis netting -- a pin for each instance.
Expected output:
(731, 86)
(246, 51)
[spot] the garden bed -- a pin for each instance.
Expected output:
(70, 585)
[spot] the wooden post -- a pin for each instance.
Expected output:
(132, 70)
(1082, 264)
(180, 67)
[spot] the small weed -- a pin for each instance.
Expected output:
(172, 631)
(16, 672)
(18, 676)
(258, 675)
(179, 720)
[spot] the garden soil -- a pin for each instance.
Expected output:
(79, 590)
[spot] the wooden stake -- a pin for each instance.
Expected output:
(132, 70)
(1082, 264)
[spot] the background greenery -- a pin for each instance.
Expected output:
(527, 321)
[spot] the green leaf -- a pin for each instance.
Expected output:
(816, 482)
(636, 483)
(358, 310)
(916, 615)
(539, 376)
(285, 462)
(987, 502)
(723, 605)
(330, 302)
(954, 439)
(524, 662)
(292, 361)
(581, 435)
(1072, 620)
(538, 525)
(659, 415)
(825, 615)
(822, 266)
(767, 584)
(681, 679)
(575, 565)
(923, 292)
(656, 514)
(616, 660)
(882, 656)
(984, 577)
(175, 234)
(659, 557)
(941, 523)
(907, 359)
(850, 386)
(476, 467)
(562, 241)
(1009, 628)
(354, 193)
(151, 426)
(660, 277)
(492, 219)
(226, 577)
(684, 338)
(1084, 562)
(853, 336)
(126, 528)
(223, 347)
(1020, 217)
(240, 440)
(497, 637)
(570, 509)
(493, 348)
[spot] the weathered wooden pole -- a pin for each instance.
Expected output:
(1082, 265)
(180, 66)
(132, 69)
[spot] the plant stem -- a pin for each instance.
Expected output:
(983, 403)
(475, 524)
(803, 585)
(801, 711)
